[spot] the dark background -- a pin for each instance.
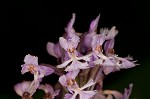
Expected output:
(27, 26)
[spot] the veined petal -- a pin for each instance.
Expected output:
(112, 33)
(58, 50)
(109, 69)
(18, 89)
(72, 74)
(109, 46)
(24, 68)
(63, 43)
(49, 88)
(88, 84)
(86, 94)
(94, 23)
(62, 80)
(33, 87)
(75, 40)
(98, 39)
(29, 59)
(51, 47)
(70, 24)
(74, 95)
(22, 87)
(46, 70)
(87, 40)
(64, 64)
(25, 85)
(124, 63)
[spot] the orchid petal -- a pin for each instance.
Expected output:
(88, 84)
(64, 64)
(29, 59)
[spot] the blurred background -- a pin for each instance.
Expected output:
(27, 26)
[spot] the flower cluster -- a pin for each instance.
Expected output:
(84, 59)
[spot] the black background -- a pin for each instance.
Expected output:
(27, 26)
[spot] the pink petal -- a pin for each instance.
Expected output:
(72, 74)
(63, 43)
(18, 89)
(62, 80)
(51, 49)
(109, 45)
(29, 59)
(94, 23)
(46, 70)
(112, 33)
(70, 24)
(88, 84)
(86, 94)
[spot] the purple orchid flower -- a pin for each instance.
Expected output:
(110, 62)
(86, 58)
(26, 88)
(68, 80)
(74, 89)
(98, 57)
(31, 65)
(70, 47)
(84, 94)
(120, 63)
(55, 49)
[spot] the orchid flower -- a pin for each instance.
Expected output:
(74, 89)
(120, 63)
(84, 94)
(26, 88)
(68, 80)
(70, 47)
(86, 58)
(99, 57)
(31, 65)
